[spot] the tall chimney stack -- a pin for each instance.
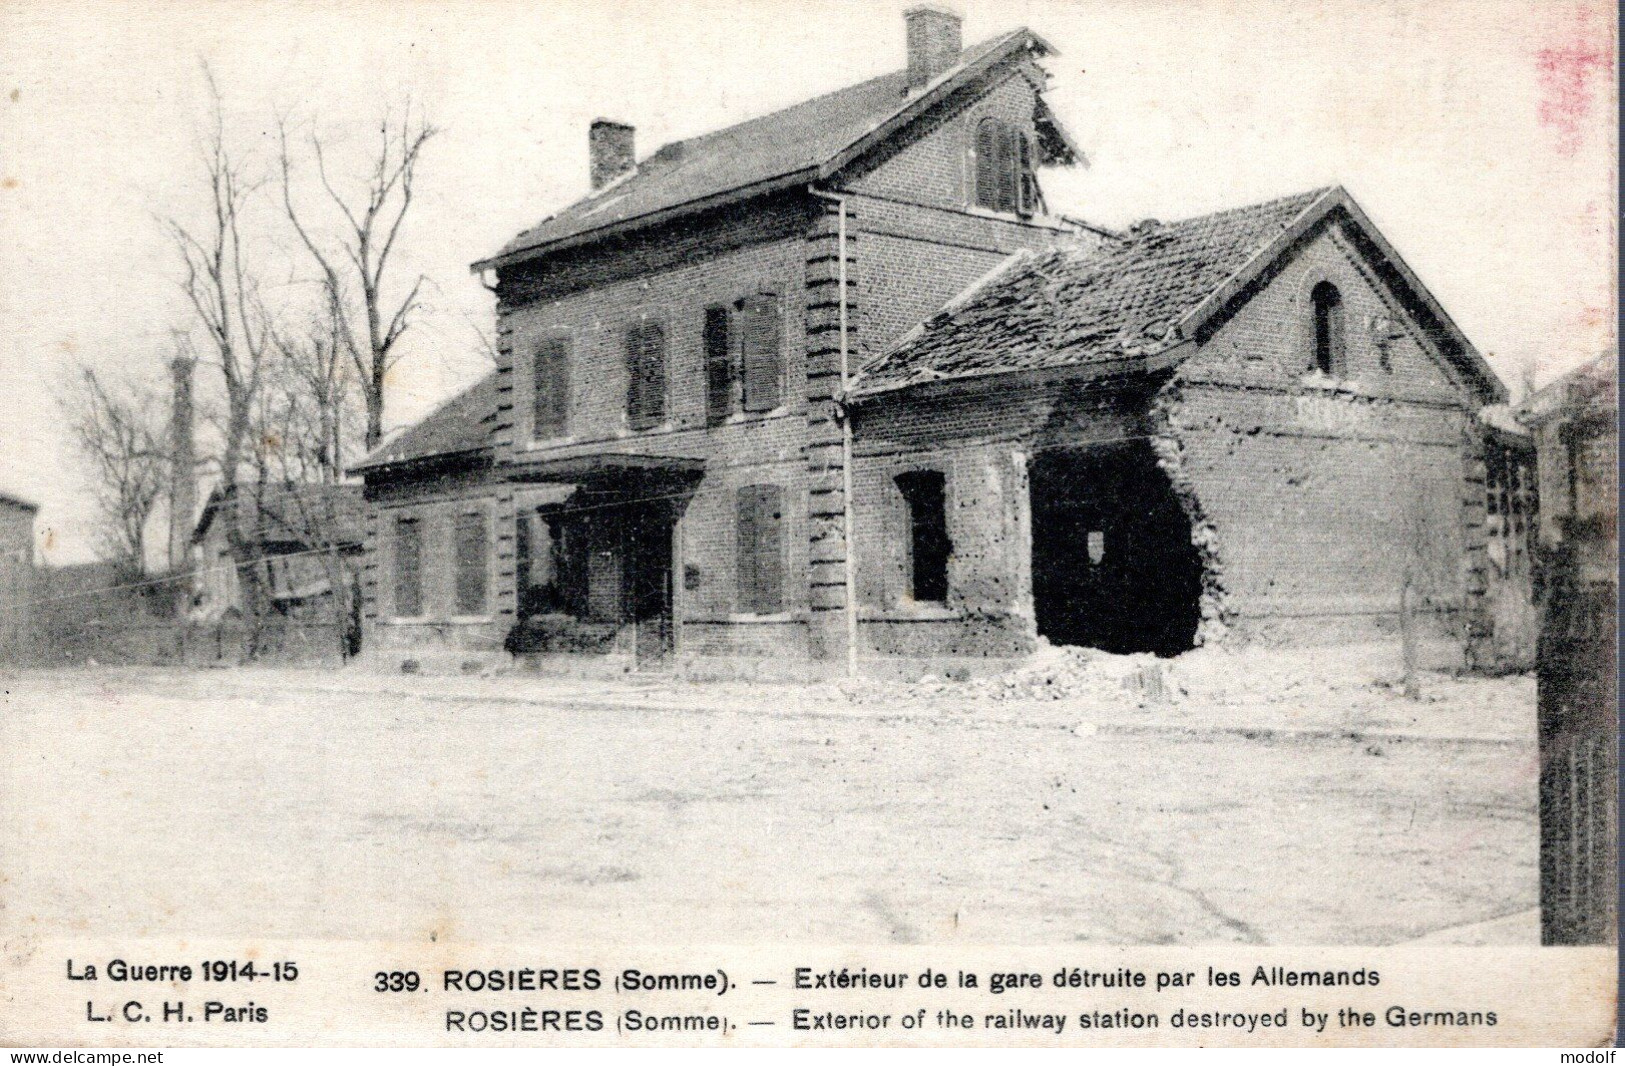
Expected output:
(609, 151)
(182, 472)
(933, 43)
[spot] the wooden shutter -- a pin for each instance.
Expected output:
(1009, 178)
(1028, 204)
(408, 568)
(646, 374)
(761, 549)
(719, 372)
(987, 153)
(469, 556)
(763, 353)
(550, 389)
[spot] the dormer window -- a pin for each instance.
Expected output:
(1004, 169)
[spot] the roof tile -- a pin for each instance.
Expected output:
(1074, 305)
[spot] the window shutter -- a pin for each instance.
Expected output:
(1028, 204)
(762, 353)
(745, 555)
(761, 550)
(987, 152)
(646, 375)
(551, 389)
(769, 551)
(1008, 160)
(468, 549)
(408, 568)
(719, 376)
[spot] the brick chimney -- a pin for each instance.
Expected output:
(933, 43)
(182, 472)
(609, 151)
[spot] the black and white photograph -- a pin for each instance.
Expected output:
(1128, 481)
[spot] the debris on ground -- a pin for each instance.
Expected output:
(1050, 673)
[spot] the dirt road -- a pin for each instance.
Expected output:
(260, 803)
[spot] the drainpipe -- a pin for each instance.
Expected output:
(842, 416)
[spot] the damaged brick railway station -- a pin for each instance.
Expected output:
(837, 388)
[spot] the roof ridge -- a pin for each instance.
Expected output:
(1308, 195)
(691, 174)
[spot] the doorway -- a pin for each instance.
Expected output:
(647, 533)
(1112, 560)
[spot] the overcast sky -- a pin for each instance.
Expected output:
(1478, 135)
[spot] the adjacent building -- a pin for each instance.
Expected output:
(839, 387)
(1575, 424)
(17, 572)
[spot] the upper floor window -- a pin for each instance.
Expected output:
(1004, 168)
(761, 352)
(719, 365)
(747, 375)
(925, 495)
(550, 389)
(1329, 340)
(645, 374)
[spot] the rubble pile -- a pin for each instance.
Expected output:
(1050, 673)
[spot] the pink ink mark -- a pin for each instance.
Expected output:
(1567, 72)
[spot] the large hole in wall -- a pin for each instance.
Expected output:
(1113, 563)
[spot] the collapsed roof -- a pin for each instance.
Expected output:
(1120, 303)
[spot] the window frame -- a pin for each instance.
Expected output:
(1328, 329)
(1011, 159)
(631, 407)
(481, 510)
(753, 598)
(414, 519)
(910, 487)
(726, 387)
(743, 360)
(537, 434)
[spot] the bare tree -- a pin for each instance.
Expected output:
(354, 265)
(230, 321)
(309, 429)
(117, 426)
(317, 414)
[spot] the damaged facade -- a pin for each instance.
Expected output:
(838, 386)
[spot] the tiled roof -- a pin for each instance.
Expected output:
(304, 514)
(1589, 388)
(1072, 306)
(783, 144)
(461, 424)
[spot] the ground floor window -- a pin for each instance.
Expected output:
(469, 548)
(925, 499)
(760, 549)
(408, 567)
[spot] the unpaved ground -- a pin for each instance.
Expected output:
(289, 803)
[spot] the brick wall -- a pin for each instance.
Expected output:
(435, 500)
(1322, 493)
(980, 435)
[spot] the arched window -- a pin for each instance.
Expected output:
(1004, 169)
(1328, 305)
